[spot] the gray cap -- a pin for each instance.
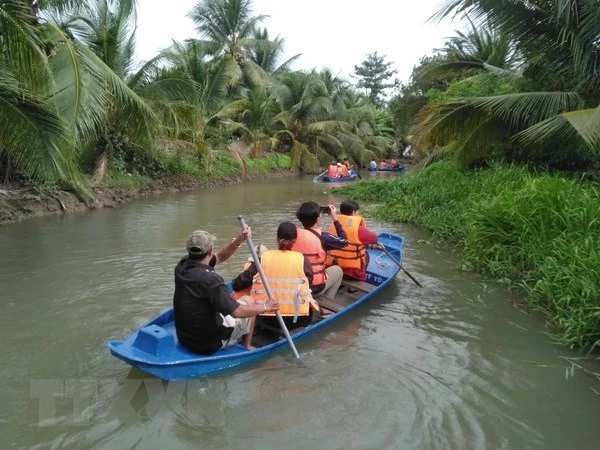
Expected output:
(199, 242)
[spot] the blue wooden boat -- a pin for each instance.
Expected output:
(352, 177)
(154, 347)
(399, 168)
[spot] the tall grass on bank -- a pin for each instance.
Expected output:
(537, 231)
(223, 166)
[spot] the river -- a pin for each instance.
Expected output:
(456, 364)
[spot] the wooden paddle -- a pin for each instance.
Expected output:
(267, 288)
(315, 179)
(382, 248)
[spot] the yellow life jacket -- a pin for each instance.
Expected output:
(354, 254)
(310, 246)
(284, 271)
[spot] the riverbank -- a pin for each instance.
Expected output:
(535, 231)
(21, 201)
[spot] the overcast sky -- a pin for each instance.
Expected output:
(329, 33)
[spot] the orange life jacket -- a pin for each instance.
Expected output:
(284, 271)
(382, 165)
(344, 170)
(310, 246)
(354, 254)
(332, 171)
(239, 294)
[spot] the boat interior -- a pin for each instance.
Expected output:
(267, 330)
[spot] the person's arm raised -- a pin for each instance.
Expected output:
(225, 253)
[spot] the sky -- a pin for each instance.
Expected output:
(336, 34)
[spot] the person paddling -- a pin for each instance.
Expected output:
(207, 317)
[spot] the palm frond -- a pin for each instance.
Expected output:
(580, 125)
(21, 46)
(34, 136)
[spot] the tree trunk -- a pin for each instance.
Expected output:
(6, 170)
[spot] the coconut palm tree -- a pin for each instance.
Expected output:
(76, 84)
(305, 124)
(33, 138)
(210, 79)
(267, 53)
(228, 26)
(107, 27)
(559, 120)
(252, 116)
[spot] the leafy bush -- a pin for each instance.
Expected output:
(535, 230)
(269, 163)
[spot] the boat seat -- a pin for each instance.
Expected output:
(153, 340)
(334, 305)
(357, 284)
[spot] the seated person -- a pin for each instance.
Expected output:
(207, 317)
(346, 163)
(353, 259)
(288, 275)
(343, 170)
(332, 171)
(393, 162)
(373, 164)
(383, 164)
(314, 243)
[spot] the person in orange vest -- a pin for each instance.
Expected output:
(346, 162)
(383, 164)
(332, 171)
(353, 259)
(314, 243)
(288, 274)
(343, 170)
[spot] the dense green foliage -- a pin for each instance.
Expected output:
(73, 103)
(223, 166)
(535, 230)
(547, 114)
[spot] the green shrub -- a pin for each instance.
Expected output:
(269, 163)
(535, 230)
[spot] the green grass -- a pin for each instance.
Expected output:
(537, 231)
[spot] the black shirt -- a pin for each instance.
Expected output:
(200, 295)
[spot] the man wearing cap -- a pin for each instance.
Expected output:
(207, 317)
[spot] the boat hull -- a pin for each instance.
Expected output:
(154, 347)
(328, 179)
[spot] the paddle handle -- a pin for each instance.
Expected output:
(267, 288)
(399, 265)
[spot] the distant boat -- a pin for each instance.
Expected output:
(328, 179)
(154, 347)
(399, 168)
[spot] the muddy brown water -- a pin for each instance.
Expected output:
(452, 365)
